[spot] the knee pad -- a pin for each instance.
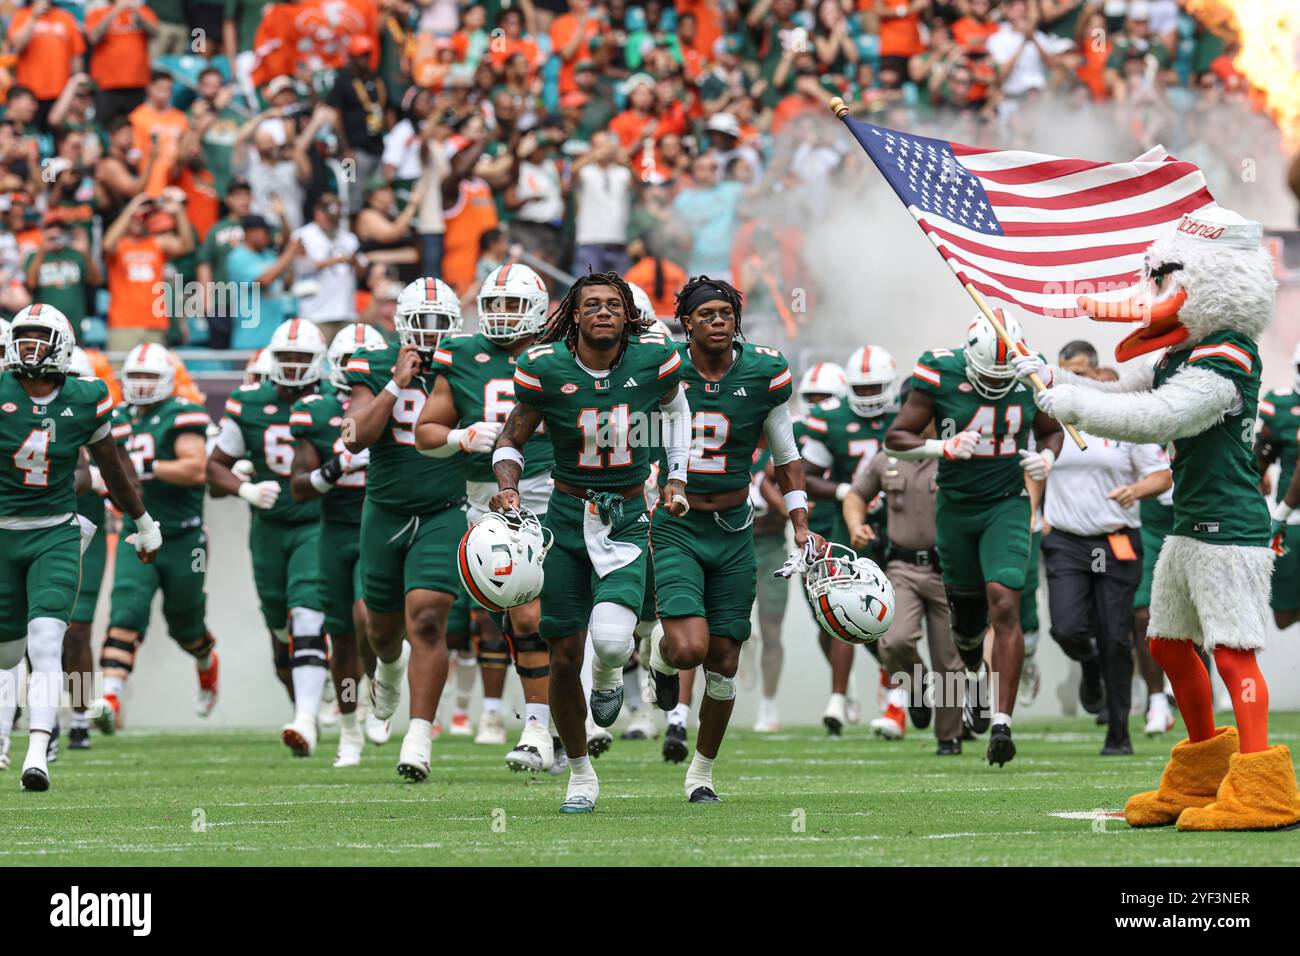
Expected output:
(309, 650)
(719, 687)
(530, 644)
(123, 651)
(611, 631)
(200, 648)
(493, 653)
(968, 615)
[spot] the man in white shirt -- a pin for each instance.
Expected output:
(326, 273)
(602, 195)
(1022, 52)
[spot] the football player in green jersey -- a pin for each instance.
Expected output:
(1279, 440)
(596, 384)
(165, 437)
(982, 517)
(46, 418)
(283, 533)
(836, 436)
(705, 565)
(464, 415)
(412, 520)
(323, 468)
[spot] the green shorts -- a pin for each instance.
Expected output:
(1286, 573)
(770, 552)
(704, 570)
(983, 542)
(401, 553)
(178, 571)
(340, 574)
(39, 571)
(1029, 598)
(572, 587)
(648, 610)
(92, 575)
(286, 569)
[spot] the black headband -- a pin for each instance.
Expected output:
(705, 292)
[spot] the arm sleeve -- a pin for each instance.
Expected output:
(231, 439)
(1192, 401)
(780, 435)
(677, 434)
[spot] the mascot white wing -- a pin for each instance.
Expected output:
(1191, 401)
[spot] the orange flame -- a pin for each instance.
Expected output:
(1268, 32)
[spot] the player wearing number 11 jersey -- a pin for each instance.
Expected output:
(982, 514)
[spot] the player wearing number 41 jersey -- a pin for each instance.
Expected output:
(982, 516)
(46, 417)
(283, 533)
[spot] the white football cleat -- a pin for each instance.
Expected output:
(598, 739)
(891, 724)
(561, 758)
(461, 725)
(351, 743)
(535, 751)
(299, 735)
(768, 722)
(1222, 701)
(835, 716)
(582, 793)
(328, 714)
(378, 731)
(385, 695)
(206, 698)
(413, 760)
(1160, 720)
(852, 710)
(643, 725)
(491, 730)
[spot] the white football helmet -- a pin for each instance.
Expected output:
(500, 559)
(872, 366)
(824, 378)
(4, 343)
(258, 368)
(356, 337)
(148, 375)
(1295, 365)
(40, 325)
(296, 337)
(79, 365)
(988, 359)
(427, 309)
(644, 305)
(512, 303)
(851, 598)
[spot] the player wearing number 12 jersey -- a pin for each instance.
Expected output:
(982, 513)
(596, 381)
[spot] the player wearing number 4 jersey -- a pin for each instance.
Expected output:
(704, 560)
(283, 533)
(471, 400)
(595, 380)
(412, 520)
(982, 515)
(165, 436)
(46, 418)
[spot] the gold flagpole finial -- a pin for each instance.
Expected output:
(838, 107)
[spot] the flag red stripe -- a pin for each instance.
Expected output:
(1168, 213)
(1036, 172)
(1095, 195)
(1064, 257)
(1041, 287)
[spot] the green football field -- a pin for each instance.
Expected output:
(794, 798)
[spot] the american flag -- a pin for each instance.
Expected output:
(1032, 230)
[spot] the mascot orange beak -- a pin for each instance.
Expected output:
(1161, 327)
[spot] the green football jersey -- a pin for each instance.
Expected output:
(727, 416)
(317, 418)
(40, 443)
(482, 379)
(149, 434)
(262, 416)
(850, 439)
(1280, 411)
(1005, 424)
(604, 427)
(399, 477)
(1216, 487)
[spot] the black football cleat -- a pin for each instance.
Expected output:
(667, 689)
(977, 712)
(675, 747)
(920, 716)
(1117, 748)
(703, 795)
(949, 748)
(1002, 748)
(1092, 692)
(79, 738)
(35, 780)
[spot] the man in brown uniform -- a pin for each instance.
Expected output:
(912, 565)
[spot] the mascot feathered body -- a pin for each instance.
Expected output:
(1208, 294)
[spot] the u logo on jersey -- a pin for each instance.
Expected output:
(602, 385)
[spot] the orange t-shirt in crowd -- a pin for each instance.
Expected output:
(899, 36)
(169, 124)
(971, 34)
(45, 65)
(788, 107)
(643, 274)
(1092, 72)
(202, 205)
(708, 19)
(502, 49)
(134, 268)
(121, 60)
(563, 28)
(474, 213)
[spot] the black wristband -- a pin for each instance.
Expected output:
(331, 469)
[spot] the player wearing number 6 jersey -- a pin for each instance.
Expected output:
(596, 380)
(982, 514)
(283, 533)
(46, 417)
(463, 417)
(704, 561)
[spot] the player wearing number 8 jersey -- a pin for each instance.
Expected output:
(982, 515)
(283, 534)
(596, 380)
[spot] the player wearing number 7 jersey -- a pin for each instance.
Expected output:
(982, 514)
(283, 534)
(46, 417)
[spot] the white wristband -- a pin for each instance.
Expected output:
(393, 389)
(794, 500)
(506, 453)
(319, 482)
(145, 523)
(1282, 510)
(842, 490)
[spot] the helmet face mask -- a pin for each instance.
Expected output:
(294, 368)
(851, 598)
(297, 352)
(40, 342)
(872, 379)
(427, 310)
(512, 303)
(989, 368)
(147, 375)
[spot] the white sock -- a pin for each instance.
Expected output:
(38, 742)
(80, 720)
(679, 714)
(581, 766)
(348, 722)
(11, 684)
(308, 686)
(466, 675)
(491, 705)
(539, 713)
(420, 728)
(1158, 702)
(390, 672)
(114, 685)
(1001, 718)
(45, 683)
(588, 656)
(700, 773)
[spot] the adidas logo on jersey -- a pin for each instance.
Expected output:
(643, 518)
(741, 392)
(66, 413)
(630, 383)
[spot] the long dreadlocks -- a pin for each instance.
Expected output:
(562, 326)
(702, 289)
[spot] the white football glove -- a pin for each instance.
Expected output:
(260, 494)
(243, 469)
(961, 445)
(147, 537)
(1032, 364)
(1037, 465)
(799, 561)
(358, 461)
(477, 438)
